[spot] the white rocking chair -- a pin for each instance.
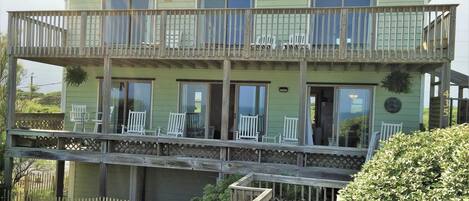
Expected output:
(176, 125)
(135, 123)
(290, 130)
(388, 130)
(99, 119)
(265, 42)
(247, 128)
(296, 41)
(78, 116)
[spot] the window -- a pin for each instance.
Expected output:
(327, 26)
(128, 95)
(126, 29)
(193, 102)
(251, 101)
(353, 116)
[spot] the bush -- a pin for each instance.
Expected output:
(423, 166)
(218, 192)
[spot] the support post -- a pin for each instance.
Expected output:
(225, 100)
(302, 110)
(59, 175)
(460, 105)
(225, 110)
(106, 122)
(8, 168)
(302, 103)
(136, 183)
(444, 94)
(107, 80)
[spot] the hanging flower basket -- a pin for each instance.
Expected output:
(75, 76)
(397, 82)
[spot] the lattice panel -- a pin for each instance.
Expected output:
(242, 154)
(134, 147)
(335, 161)
(193, 151)
(46, 142)
(44, 121)
(279, 156)
(78, 144)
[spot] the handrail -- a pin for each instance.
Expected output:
(358, 34)
(350, 151)
(197, 9)
(243, 189)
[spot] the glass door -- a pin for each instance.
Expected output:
(128, 95)
(251, 100)
(193, 102)
(126, 29)
(353, 116)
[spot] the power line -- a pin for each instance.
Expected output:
(40, 85)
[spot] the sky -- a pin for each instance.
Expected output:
(51, 76)
(47, 77)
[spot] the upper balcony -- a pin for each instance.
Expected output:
(413, 34)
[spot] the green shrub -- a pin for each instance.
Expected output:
(218, 192)
(422, 166)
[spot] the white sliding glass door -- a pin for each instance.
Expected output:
(353, 116)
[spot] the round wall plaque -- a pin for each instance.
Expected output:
(392, 105)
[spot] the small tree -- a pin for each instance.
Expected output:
(423, 166)
(219, 191)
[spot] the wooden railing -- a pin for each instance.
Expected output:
(196, 154)
(316, 34)
(44, 121)
(264, 187)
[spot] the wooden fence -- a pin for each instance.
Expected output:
(265, 187)
(44, 121)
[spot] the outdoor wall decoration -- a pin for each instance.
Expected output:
(397, 82)
(75, 76)
(392, 105)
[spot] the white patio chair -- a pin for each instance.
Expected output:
(373, 145)
(78, 116)
(388, 130)
(135, 123)
(296, 41)
(290, 130)
(247, 128)
(193, 126)
(265, 42)
(176, 125)
(173, 39)
(99, 119)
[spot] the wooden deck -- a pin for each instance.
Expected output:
(366, 34)
(186, 153)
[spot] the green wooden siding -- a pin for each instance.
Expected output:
(165, 92)
(160, 184)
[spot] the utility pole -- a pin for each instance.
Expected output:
(31, 87)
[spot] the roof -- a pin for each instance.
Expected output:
(459, 79)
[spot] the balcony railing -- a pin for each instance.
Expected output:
(264, 187)
(405, 33)
(186, 153)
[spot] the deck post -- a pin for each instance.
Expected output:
(136, 183)
(107, 79)
(225, 110)
(302, 103)
(444, 94)
(59, 175)
(225, 99)
(12, 64)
